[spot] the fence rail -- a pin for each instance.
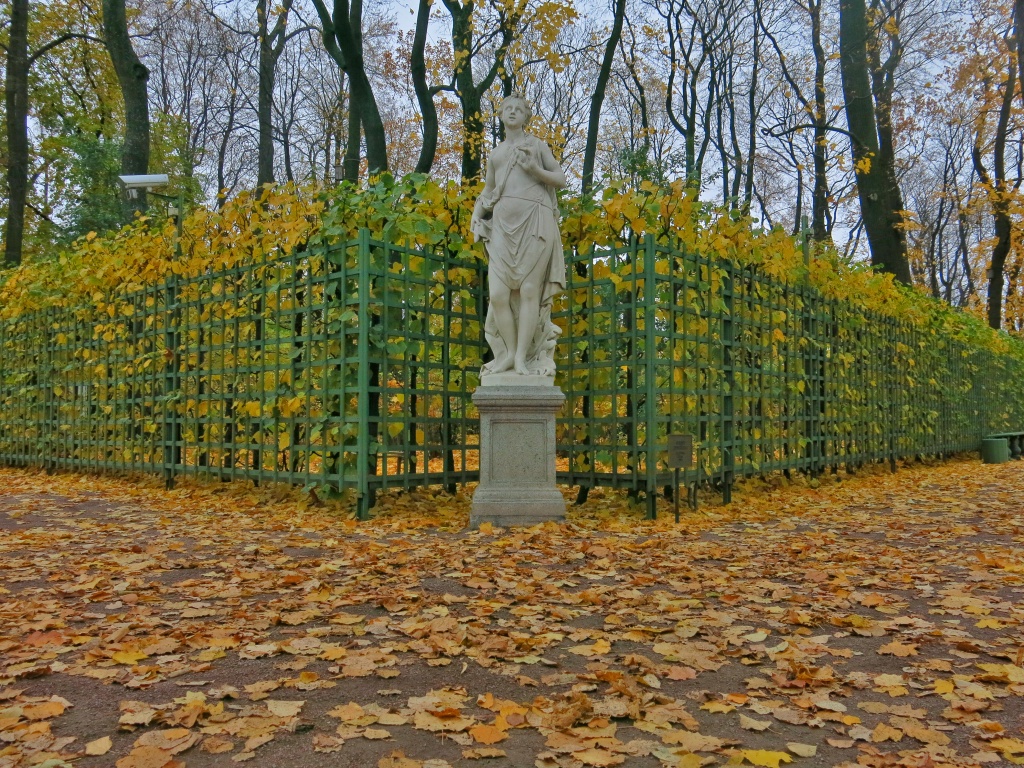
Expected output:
(351, 367)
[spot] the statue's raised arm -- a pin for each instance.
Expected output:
(516, 217)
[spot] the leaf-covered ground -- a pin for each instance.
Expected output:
(875, 620)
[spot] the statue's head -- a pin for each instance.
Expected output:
(515, 98)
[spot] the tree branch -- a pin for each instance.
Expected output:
(57, 41)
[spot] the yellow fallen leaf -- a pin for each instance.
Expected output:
(210, 654)
(944, 686)
(801, 750)
(719, 707)
(750, 724)
(131, 658)
(99, 747)
(43, 711)
(487, 734)
(691, 742)
(896, 648)
(926, 735)
(1009, 748)
(1009, 673)
(347, 712)
(598, 648)
(146, 757)
(376, 734)
(284, 708)
(766, 758)
(599, 757)
(885, 732)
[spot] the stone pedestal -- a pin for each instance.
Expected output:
(517, 451)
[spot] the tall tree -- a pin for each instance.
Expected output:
(133, 76)
(600, 89)
(424, 92)
(271, 44)
(815, 108)
(998, 186)
(868, 90)
(466, 47)
(342, 33)
(16, 91)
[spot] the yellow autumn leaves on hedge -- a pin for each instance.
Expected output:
(262, 226)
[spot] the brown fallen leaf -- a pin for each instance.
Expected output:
(397, 759)
(681, 673)
(146, 757)
(216, 745)
(599, 757)
(896, 648)
(325, 742)
(692, 742)
(173, 740)
(481, 753)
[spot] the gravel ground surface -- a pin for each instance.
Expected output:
(874, 620)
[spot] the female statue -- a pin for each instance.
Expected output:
(516, 217)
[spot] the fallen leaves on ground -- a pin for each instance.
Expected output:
(874, 620)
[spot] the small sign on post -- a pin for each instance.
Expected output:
(680, 451)
(680, 456)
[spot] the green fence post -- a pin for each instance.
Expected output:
(171, 431)
(48, 432)
(650, 309)
(363, 446)
(728, 425)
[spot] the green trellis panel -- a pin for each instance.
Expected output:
(351, 368)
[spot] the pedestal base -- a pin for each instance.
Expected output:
(517, 456)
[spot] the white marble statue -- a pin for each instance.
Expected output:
(516, 217)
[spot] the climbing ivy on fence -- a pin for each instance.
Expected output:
(333, 340)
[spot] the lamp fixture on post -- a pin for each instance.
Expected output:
(147, 181)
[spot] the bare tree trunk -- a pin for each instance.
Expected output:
(424, 94)
(342, 33)
(748, 184)
(16, 91)
(819, 196)
(1018, 36)
(350, 163)
(265, 100)
(998, 190)
(133, 77)
(470, 92)
(871, 141)
(271, 45)
(597, 98)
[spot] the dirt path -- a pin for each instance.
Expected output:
(875, 620)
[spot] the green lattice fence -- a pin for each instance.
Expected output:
(352, 368)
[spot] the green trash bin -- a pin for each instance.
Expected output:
(995, 450)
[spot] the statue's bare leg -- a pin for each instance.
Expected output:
(529, 314)
(501, 306)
